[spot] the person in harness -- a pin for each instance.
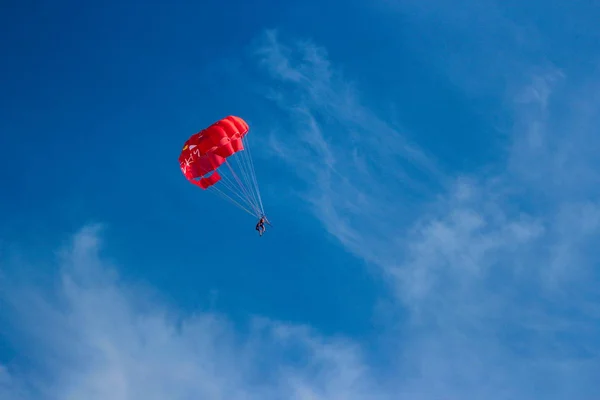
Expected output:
(260, 226)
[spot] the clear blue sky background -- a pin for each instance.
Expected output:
(430, 169)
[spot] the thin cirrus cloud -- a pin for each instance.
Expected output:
(499, 274)
(357, 164)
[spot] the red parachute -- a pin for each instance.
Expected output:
(205, 162)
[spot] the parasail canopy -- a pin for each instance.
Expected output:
(218, 159)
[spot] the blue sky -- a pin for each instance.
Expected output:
(430, 169)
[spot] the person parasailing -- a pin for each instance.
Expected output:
(217, 159)
(260, 226)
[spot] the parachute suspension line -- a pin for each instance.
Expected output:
(252, 182)
(218, 192)
(241, 185)
(253, 174)
(242, 166)
(227, 184)
(245, 173)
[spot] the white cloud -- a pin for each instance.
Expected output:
(96, 337)
(488, 270)
(356, 165)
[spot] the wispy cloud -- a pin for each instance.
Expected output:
(356, 164)
(489, 271)
(105, 339)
